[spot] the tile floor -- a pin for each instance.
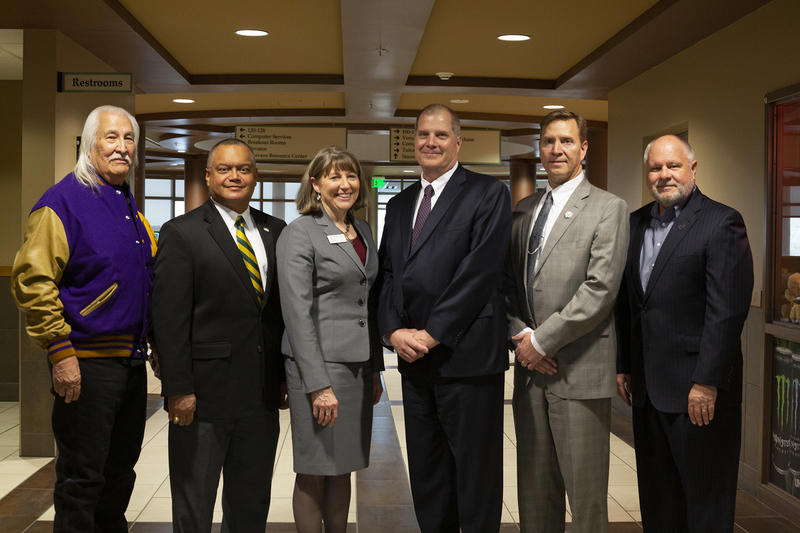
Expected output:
(381, 499)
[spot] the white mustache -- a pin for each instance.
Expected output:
(125, 157)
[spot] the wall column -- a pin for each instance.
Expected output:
(522, 173)
(597, 157)
(195, 189)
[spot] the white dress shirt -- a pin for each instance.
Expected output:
(560, 196)
(438, 186)
(229, 216)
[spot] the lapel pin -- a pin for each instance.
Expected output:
(266, 229)
(568, 214)
(682, 226)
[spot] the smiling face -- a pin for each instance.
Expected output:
(114, 148)
(338, 191)
(562, 151)
(232, 176)
(670, 174)
(436, 146)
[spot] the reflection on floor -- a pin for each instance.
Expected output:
(381, 499)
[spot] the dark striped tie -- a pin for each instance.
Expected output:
(249, 257)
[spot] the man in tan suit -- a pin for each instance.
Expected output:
(567, 254)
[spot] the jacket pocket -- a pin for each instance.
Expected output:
(100, 300)
(213, 350)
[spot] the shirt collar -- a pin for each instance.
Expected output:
(440, 182)
(565, 190)
(230, 216)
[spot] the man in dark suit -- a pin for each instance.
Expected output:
(442, 309)
(684, 299)
(218, 328)
(568, 245)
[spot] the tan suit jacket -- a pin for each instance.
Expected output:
(576, 284)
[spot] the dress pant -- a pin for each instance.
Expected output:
(687, 474)
(99, 438)
(243, 449)
(454, 437)
(562, 445)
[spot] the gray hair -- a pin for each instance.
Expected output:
(84, 170)
(435, 109)
(687, 148)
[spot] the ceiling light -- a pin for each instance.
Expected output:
(407, 170)
(183, 101)
(181, 151)
(252, 33)
(461, 101)
(554, 106)
(444, 75)
(514, 37)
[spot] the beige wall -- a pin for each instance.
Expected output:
(11, 169)
(716, 90)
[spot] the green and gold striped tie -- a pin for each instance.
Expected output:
(249, 257)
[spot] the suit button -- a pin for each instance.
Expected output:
(361, 301)
(259, 349)
(363, 281)
(361, 322)
(644, 310)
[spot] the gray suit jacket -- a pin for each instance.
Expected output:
(576, 284)
(329, 307)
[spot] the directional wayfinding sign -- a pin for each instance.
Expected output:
(290, 143)
(401, 145)
(480, 147)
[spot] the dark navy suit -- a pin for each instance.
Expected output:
(451, 285)
(685, 328)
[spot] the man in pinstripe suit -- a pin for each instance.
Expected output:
(680, 313)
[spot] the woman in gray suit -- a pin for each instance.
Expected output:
(327, 264)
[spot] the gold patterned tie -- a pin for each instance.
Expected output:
(249, 257)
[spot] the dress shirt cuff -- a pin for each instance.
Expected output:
(536, 344)
(526, 330)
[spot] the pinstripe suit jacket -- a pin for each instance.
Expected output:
(576, 282)
(686, 326)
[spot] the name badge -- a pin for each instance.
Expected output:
(336, 239)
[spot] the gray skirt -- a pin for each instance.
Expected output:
(343, 448)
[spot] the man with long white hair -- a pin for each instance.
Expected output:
(83, 278)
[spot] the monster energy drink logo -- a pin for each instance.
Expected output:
(782, 388)
(794, 403)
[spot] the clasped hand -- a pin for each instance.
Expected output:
(530, 358)
(411, 344)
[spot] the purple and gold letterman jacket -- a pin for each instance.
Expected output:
(84, 274)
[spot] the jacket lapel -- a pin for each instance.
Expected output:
(566, 217)
(680, 228)
(329, 228)
(222, 236)
(635, 251)
(450, 193)
(407, 215)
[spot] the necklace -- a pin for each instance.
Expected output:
(346, 232)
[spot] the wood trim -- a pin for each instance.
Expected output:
(142, 32)
(233, 113)
(785, 504)
(791, 92)
(638, 23)
(485, 82)
(267, 79)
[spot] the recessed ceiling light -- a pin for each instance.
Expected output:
(252, 33)
(407, 170)
(514, 37)
(444, 76)
(461, 101)
(554, 106)
(183, 101)
(181, 151)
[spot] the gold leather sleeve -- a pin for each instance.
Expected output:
(37, 270)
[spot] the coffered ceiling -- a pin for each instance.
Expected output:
(368, 64)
